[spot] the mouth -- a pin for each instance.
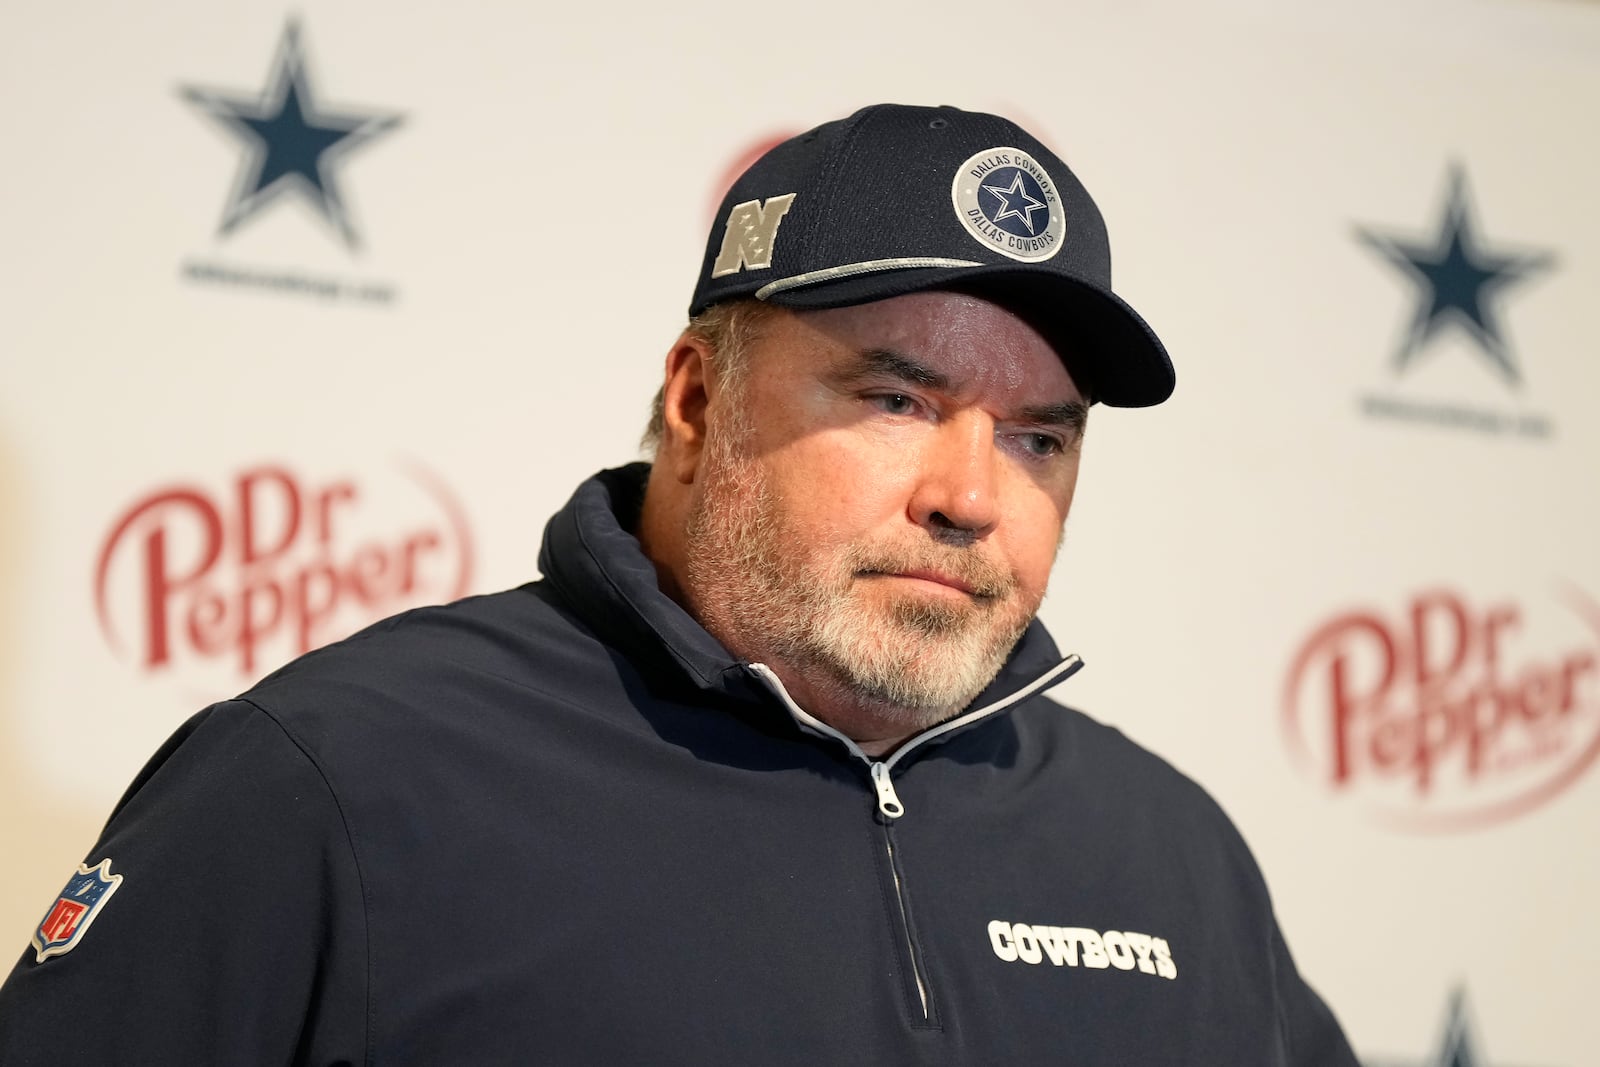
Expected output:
(935, 581)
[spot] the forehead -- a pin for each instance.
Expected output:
(973, 342)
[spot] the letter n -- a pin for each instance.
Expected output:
(747, 241)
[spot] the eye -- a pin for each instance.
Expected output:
(895, 403)
(1042, 445)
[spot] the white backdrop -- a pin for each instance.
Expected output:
(529, 191)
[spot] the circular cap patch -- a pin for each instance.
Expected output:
(1008, 203)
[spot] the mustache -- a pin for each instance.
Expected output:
(985, 578)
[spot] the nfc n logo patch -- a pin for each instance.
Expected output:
(747, 241)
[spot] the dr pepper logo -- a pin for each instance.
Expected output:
(271, 563)
(1446, 713)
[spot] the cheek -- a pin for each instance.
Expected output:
(1035, 533)
(835, 489)
(1032, 559)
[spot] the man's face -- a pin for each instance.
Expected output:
(881, 499)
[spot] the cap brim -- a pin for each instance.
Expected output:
(1113, 356)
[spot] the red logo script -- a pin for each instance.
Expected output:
(62, 921)
(275, 564)
(1448, 715)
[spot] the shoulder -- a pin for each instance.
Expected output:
(229, 750)
(1144, 795)
(428, 659)
(498, 632)
(445, 691)
(230, 861)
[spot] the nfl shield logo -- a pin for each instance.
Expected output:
(69, 917)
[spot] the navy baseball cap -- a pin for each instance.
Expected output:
(898, 199)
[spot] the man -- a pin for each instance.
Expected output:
(760, 772)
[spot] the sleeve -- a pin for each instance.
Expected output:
(1311, 1034)
(236, 934)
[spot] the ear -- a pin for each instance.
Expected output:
(685, 396)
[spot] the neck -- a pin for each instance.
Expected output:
(662, 519)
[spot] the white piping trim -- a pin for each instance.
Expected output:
(828, 274)
(766, 674)
(1066, 666)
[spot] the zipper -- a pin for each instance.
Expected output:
(889, 804)
(888, 800)
(905, 924)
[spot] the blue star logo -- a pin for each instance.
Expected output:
(1457, 279)
(1456, 1050)
(1015, 203)
(1456, 1047)
(292, 145)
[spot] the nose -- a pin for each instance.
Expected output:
(956, 496)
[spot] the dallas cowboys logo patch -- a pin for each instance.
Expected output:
(78, 905)
(1008, 203)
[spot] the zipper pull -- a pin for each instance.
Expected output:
(888, 801)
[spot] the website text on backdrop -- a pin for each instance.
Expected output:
(762, 769)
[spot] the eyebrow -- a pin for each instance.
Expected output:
(884, 363)
(1071, 414)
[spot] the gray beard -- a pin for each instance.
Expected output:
(917, 662)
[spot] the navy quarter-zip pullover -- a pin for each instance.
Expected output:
(562, 825)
